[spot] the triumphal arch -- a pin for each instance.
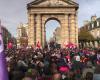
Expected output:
(64, 11)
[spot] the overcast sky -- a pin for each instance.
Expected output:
(13, 12)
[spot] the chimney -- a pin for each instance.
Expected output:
(86, 22)
(93, 18)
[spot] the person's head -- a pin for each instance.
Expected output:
(89, 76)
(89, 64)
(34, 72)
(56, 76)
(28, 76)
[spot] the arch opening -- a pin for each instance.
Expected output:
(53, 30)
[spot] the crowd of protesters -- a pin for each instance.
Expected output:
(53, 64)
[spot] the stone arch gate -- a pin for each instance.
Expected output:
(40, 11)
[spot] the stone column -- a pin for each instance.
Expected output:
(91, 44)
(96, 44)
(38, 28)
(30, 29)
(69, 24)
(76, 30)
(44, 18)
(72, 29)
(87, 44)
(65, 32)
(43, 32)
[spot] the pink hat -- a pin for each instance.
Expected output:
(64, 69)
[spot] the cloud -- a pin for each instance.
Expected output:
(12, 12)
(87, 8)
(51, 25)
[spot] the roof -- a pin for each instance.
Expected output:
(36, 2)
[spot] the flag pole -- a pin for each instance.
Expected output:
(3, 65)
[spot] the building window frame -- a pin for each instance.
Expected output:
(92, 25)
(97, 23)
(88, 27)
(98, 33)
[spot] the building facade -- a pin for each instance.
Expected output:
(6, 35)
(93, 26)
(22, 38)
(57, 35)
(41, 11)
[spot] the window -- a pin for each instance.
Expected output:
(98, 33)
(89, 27)
(92, 32)
(97, 23)
(92, 25)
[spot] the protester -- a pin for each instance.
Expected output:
(53, 64)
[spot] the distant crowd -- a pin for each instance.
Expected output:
(53, 64)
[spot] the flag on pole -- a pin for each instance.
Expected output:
(3, 67)
(38, 45)
(10, 45)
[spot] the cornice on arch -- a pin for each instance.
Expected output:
(36, 3)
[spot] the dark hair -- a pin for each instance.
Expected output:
(89, 76)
